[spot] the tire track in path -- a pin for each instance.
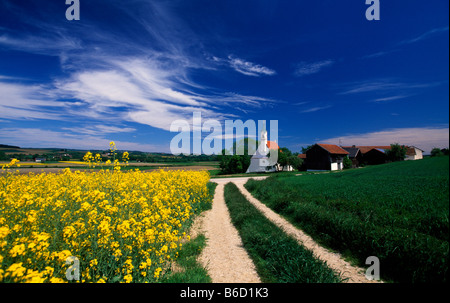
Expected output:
(353, 274)
(224, 255)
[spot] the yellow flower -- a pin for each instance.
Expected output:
(157, 272)
(131, 215)
(17, 250)
(128, 278)
(16, 270)
(63, 255)
(4, 231)
(112, 146)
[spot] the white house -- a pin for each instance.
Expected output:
(413, 153)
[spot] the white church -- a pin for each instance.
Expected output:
(259, 162)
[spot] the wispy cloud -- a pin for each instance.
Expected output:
(426, 35)
(143, 79)
(315, 109)
(418, 38)
(26, 137)
(383, 85)
(309, 68)
(379, 54)
(41, 45)
(301, 103)
(391, 98)
(99, 129)
(422, 137)
(248, 68)
(19, 101)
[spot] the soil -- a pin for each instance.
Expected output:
(224, 256)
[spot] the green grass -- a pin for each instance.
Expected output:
(398, 212)
(191, 271)
(278, 258)
(278, 174)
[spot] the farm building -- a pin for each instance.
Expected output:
(375, 156)
(355, 155)
(413, 153)
(325, 157)
(367, 155)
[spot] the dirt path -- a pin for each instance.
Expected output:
(224, 257)
(228, 262)
(333, 260)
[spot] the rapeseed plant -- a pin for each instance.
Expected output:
(122, 226)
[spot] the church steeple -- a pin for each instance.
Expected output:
(263, 149)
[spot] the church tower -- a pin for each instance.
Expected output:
(263, 149)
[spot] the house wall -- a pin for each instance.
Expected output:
(337, 162)
(417, 156)
(374, 157)
(318, 159)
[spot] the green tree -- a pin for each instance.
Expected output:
(305, 149)
(436, 152)
(231, 163)
(3, 156)
(396, 153)
(347, 163)
(296, 162)
(286, 157)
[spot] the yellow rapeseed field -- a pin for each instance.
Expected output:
(121, 226)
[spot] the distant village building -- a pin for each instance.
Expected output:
(355, 155)
(325, 157)
(414, 153)
(40, 160)
(367, 155)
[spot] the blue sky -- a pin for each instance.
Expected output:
(127, 69)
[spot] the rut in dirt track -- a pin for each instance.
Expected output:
(224, 256)
(227, 261)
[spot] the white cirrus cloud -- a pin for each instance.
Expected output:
(315, 109)
(426, 35)
(25, 137)
(384, 85)
(248, 68)
(309, 68)
(390, 98)
(20, 101)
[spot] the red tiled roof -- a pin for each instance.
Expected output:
(272, 145)
(302, 156)
(411, 150)
(333, 149)
(365, 149)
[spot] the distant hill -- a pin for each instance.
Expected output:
(8, 146)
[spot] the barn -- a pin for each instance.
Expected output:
(355, 155)
(368, 155)
(413, 153)
(325, 157)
